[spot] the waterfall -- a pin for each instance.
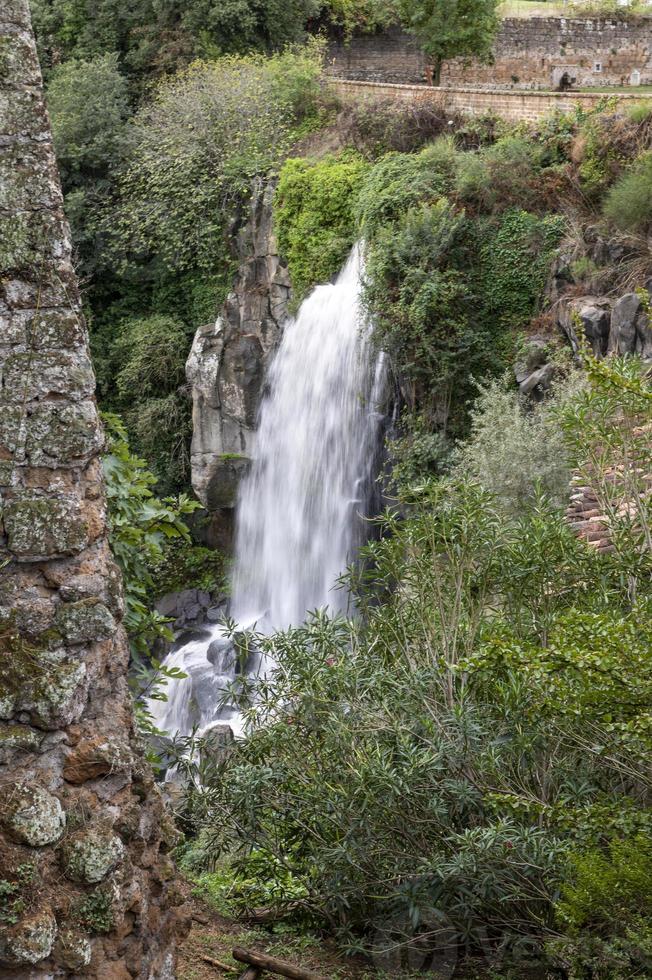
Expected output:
(302, 506)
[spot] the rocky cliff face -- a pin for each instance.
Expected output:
(86, 883)
(228, 363)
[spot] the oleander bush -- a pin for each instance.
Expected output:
(467, 763)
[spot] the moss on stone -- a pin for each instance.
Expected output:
(30, 940)
(95, 912)
(33, 816)
(44, 526)
(40, 681)
(90, 854)
(85, 620)
(18, 737)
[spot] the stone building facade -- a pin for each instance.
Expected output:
(528, 53)
(87, 885)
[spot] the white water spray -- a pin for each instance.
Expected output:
(302, 506)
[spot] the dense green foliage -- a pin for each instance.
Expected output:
(451, 28)
(359, 15)
(139, 526)
(448, 287)
(314, 216)
(434, 771)
(609, 897)
(198, 144)
(399, 181)
(517, 454)
(152, 38)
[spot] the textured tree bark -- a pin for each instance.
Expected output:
(86, 886)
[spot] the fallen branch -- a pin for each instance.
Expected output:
(220, 966)
(280, 967)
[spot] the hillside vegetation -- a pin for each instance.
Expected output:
(460, 777)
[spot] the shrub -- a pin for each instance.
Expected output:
(500, 175)
(640, 112)
(313, 210)
(147, 364)
(604, 908)
(417, 293)
(140, 525)
(628, 205)
(399, 181)
(150, 357)
(516, 452)
(377, 129)
(196, 146)
(185, 566)
(89, 104)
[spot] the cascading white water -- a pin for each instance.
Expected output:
(301, 507)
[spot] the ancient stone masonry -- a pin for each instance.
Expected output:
(513, 105)
(86, 886)
(528, 53)
(228, 363)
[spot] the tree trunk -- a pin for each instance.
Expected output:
(437, 63)
(87, 885)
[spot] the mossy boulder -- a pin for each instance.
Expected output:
(18, 737)
(30, 940)
(90, 854)
(33, 816)
(50, 688)
(84, 621)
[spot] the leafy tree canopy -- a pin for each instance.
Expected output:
(153, 37)
(451, 28)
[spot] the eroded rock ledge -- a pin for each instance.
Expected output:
(87, 886)
(228, 363)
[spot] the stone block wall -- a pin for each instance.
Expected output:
(528, 53)
(87, 884)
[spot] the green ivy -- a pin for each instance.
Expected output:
(515, 261)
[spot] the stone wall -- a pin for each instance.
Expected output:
(530, 53)
(227, 367)
(507, 103)
(88, 888)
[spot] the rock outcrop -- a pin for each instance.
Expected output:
(610, 326)
(227, 367)
(87, 886)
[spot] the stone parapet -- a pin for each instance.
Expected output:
(511, 104)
